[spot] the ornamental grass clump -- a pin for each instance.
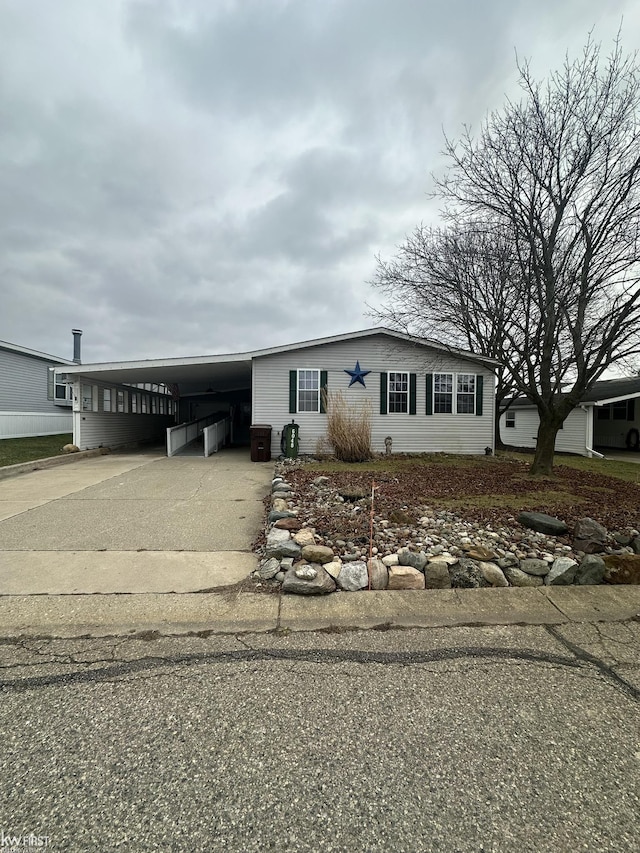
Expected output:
(348, 428)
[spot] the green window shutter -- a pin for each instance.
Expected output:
(479, 383)
(412, 393)
(383, 393)
(293, 391)
(50, 377)
(429, 408)
(323, 387)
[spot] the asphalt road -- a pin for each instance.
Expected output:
(452, 739)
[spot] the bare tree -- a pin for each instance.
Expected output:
(455, 285)
(558, 173)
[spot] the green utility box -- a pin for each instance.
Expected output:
(290, 439)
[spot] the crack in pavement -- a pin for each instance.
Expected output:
(109, 667)
(114, 669)
(602, 667)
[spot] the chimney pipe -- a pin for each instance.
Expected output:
(77, 334)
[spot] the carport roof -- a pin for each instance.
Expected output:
(601, 393)
(230, 368)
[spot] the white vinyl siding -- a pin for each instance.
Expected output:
(572, 438)
(109, 429)
(112, 424)
(28, 424)
(378, 354)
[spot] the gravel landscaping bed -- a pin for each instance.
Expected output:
(445, 522)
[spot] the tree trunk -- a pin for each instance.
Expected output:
(542, 465)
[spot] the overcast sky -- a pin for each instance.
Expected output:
(208, 176)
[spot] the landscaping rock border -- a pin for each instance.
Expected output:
(442, 551)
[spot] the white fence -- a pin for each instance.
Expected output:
(182, 435)
(216, 436)
(27, 424)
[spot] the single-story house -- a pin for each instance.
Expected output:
(608, 417)
(423, 395)
(33, 400)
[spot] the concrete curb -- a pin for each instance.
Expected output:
(50, 462)
(75, 616)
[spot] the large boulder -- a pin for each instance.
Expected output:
(543, 523)
(317, 554)
(436, 575)
(290, 549)
(493, 574)
(466, 574)
(275, 540)
(562, 572)
(590, 571)
(533, 566)
(415, 559)
(405, 577)
(480, 553)
(378, 573)
(276, 515)
(622, 568)
(269, 568)
(353, 576)
(589, 536)
(304, 537)
(308, 579)
(289, 522)
(516, 577)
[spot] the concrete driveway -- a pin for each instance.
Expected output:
(132, 523)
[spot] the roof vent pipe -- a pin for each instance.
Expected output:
(77, 334)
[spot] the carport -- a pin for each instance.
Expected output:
(120, 403)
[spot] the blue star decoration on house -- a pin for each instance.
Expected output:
(357, 375)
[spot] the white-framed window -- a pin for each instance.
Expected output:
(398, 392)
(144, 403)
(62, 391)
(154, 405)
(308, 390)
(465, 393)
(134, 402)
(121, 401)
(443, 393)
(106, 399)
(510, 419)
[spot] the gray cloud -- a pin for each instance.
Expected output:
(197, 177)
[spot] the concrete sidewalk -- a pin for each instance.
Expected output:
(130, 543)
(131, 523)
(236, 612)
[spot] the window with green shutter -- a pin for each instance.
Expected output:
(305, 386)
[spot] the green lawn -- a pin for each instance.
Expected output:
(14, 450)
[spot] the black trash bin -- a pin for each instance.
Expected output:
(260, 442)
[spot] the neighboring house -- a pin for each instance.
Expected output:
(32, 402)
(607, 417)
(422, 395)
